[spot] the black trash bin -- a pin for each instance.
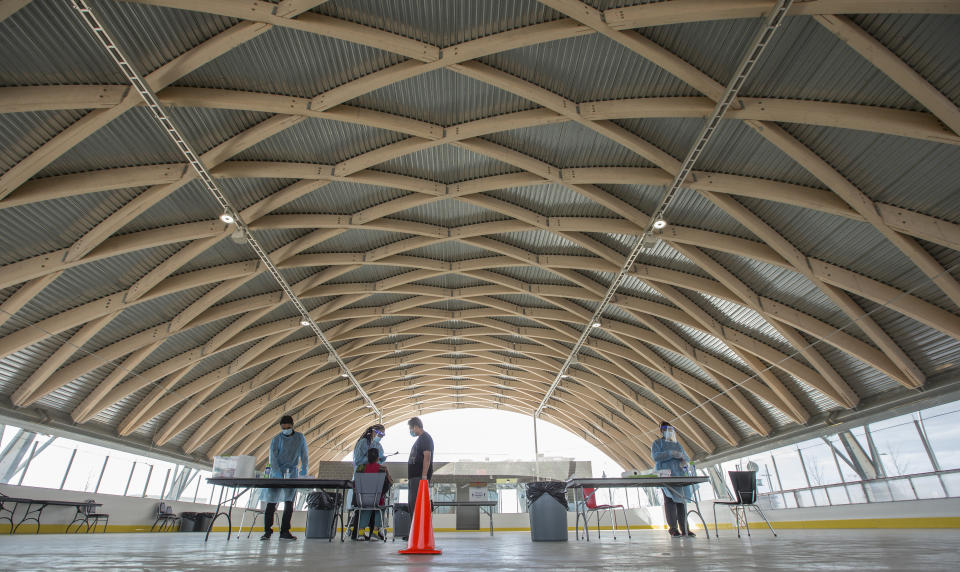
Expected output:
(189, 522)
(547, 507)
(320, 513)
(401, 520)
(204, 521)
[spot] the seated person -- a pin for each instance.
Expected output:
(373, 466)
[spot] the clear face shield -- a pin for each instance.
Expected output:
(670, 434)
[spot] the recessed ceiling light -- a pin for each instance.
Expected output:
(344, 375)
(659, 223)
(304, 322)
(595, 325)
(227, 218)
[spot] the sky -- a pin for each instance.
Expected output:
(489, 434)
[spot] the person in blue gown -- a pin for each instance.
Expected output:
(288, 460)
(668, 454)
(369, 440)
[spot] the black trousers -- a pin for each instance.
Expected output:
(414, 486)
(284, 520)
(676, 514)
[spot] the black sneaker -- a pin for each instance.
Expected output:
(673, 533)
(287, 536)
(266, 536)
(691, 535)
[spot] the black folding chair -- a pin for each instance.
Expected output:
(91, 517)
(745, 488)
(164, 517)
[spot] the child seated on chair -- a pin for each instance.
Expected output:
(373, 466)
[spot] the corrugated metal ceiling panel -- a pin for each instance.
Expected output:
(568, 145)
(588, 68)
(283, 62)
(444, 98)
(441, 23)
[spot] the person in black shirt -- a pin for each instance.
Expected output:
(420, 464)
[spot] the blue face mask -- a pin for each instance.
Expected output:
(376, 438)
(412, 434)
(287, 432)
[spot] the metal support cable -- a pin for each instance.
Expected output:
(167, 123)
(771, 24)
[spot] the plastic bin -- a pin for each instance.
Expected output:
(401, 520)
(319, 522)
(547, 508)
(189, 522)
(205, 518)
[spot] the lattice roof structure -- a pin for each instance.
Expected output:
(449, 188)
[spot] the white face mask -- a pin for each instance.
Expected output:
(670, 435)
(287, 432)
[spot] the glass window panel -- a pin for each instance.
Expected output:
(789, 500)
(856, 494)
(901, 489)
(790, 469)
(159, 477)
(115, 476)
(508, 501)
(773, 500)
(805, 498)
(951, 481)
(139, 480)
(838, 495)
(928, 487)
(84, 472)
(820, 497)
(877, 491)
(47, 468)
(205, 491)
(942, 425)
(849, 475)
(901, 450)
(818, 459)
(705, 490)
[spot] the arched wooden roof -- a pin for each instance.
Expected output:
(449, 188)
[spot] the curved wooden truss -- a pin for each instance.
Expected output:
(666, 354)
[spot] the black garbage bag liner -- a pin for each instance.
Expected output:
(556, 489)
(321, 500)
(190, 515)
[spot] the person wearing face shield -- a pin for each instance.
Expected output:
(669, 455)
(370, 439)
(287, 450)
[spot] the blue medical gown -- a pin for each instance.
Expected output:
(286, 452)
(360, 453)
(360, 458)
(662, 451)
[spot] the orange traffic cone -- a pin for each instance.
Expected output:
(421, 529)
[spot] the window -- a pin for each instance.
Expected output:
(901, 450)
(942, 426)
(790, 468)
(84, 472)
(820, 464)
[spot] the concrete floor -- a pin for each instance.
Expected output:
(793, 550)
